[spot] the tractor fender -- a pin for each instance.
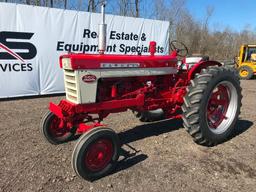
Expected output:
(199, 66)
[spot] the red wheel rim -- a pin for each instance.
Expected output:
(217, 107)
(57, 128)
(99, 155)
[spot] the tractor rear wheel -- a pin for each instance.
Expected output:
(96, 153)
(53, 131)
(212, 105)
(245, 72)
(149, 116)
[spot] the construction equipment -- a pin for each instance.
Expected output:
(246, 61)
(153, 87)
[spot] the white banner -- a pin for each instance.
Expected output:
(32, 39)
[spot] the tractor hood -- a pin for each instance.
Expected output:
(98, 61)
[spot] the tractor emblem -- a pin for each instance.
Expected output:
(89, 78)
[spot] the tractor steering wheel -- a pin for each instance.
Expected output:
(179, 47)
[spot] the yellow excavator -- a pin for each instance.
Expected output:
(246, 61)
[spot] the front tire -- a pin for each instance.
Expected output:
(212, 105)
(245, 72)
(53, 131)
(96, 153)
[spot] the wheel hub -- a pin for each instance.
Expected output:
(99, 155)
(221, 107)
(244, 73)
(217, 106)
(57, 128)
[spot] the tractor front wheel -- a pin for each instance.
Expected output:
(212, 105)
(96, 153)
(245, 72)
(54, 130)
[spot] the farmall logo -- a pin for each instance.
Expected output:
(15, 50)
(89, 78)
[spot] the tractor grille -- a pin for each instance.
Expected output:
(71, 85)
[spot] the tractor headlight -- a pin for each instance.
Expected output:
(66, 63)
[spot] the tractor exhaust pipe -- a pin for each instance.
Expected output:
(102, 30)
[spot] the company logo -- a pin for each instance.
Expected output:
(14, 46)
(8, 43)
(89, 78)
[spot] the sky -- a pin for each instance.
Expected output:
(235, 14)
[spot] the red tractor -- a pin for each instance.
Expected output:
(206, 95)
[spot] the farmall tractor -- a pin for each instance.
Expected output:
(206, 95)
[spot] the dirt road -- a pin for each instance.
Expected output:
(166, 159)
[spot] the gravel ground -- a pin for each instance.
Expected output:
(164, 156)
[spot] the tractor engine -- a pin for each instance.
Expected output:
(118, 77)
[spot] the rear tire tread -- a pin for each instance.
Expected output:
(194, 97)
